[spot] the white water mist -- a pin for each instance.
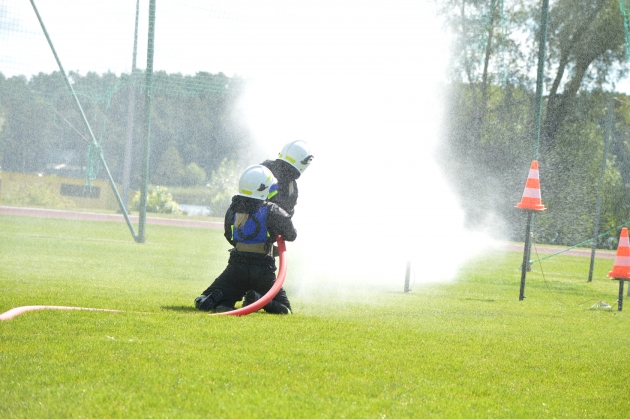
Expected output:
(362, 85)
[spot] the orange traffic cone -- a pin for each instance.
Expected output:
(621, 267)
(531, 199)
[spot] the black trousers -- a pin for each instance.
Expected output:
(247, 271)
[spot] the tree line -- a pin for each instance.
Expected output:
(489, 139)
(195, 124)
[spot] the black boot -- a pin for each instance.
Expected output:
(274, 307)
(251, 297)
(208, 302)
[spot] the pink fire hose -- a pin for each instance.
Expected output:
(8, 315)
(282, 272)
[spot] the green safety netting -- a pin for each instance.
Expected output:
(624, 5)
(27, 57)
(477, 24)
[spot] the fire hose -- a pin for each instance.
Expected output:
(257, 305)
(8, 315)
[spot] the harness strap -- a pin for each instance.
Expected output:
(253, 247)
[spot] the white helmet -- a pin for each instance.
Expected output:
(296, 153)
(255, 182)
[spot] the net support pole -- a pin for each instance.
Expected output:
(600, 187)
(542, 52)
(624, 12)
(147, 125)
(407, 275)
(540, 74)
(131, 118)
(526, 254)
(85, 121)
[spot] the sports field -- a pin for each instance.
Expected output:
(468, 348)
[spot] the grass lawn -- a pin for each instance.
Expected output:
(465, 349)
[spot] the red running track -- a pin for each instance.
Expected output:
(94, 216)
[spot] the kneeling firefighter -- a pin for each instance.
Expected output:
(251, 226)
(292, 161)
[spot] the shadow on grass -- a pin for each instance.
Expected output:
(181, 309)
(485, 300)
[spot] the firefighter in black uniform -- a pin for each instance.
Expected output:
(287, 168)
(251, 225)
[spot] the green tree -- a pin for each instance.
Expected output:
(490, 139)
(22, 140)
(170, 168)
(586, 41)
(193, 175)
(223, 185)
(196, 115)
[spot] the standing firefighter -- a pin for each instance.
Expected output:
(287, 168)
(251, 225)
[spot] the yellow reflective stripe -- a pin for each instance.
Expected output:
(272, 194)
(246, 192)
(290, 159)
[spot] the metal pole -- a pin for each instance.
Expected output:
(503, 43)
(85, 121)
(542, 51)
(131, 114)
(526, 253)
(620, 302)
(600, 187)
(407, 274)
(147, 125)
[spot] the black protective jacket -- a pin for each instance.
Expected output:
(250, 270)
(286, 175)
(278, 221)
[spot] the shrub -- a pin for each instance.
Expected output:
(158, 200)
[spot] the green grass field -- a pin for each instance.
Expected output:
(464, 349)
